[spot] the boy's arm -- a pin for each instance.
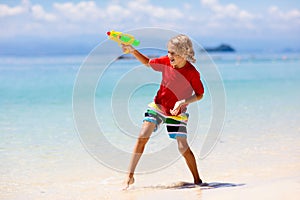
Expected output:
(138, 55)
(192, 99)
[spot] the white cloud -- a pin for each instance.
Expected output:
(6, 11)
(210, 3)
(293, 15)
(115, 13)
(283, 22)
(235, 20)
(39, 13)
(84, 10)
(144, 7)
(228, 12)
(228, 20)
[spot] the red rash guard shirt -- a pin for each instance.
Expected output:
(176, 84)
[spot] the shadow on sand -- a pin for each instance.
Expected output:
(187, 185)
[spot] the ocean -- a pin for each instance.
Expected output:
(48, 147)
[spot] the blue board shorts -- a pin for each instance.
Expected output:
(176, 125)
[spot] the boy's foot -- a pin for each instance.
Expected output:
(128, 181)
(198, 182)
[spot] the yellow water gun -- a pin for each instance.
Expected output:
(122, 38)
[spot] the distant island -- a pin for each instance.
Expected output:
(220, 48)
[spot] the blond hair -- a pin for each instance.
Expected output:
(183, 46)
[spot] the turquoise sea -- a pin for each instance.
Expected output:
(40, 143)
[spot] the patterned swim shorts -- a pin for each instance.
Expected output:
(176, 125)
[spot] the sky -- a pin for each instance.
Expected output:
(64, 26)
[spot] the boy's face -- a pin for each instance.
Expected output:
(175, 60)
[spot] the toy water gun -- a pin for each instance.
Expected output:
(122, 38)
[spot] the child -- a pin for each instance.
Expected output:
(180, 86)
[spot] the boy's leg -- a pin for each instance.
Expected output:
(189, 157)
(146, 131)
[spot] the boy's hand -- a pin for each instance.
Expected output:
(177, 107)
(127, 48)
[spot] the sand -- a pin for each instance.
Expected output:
(234, 170)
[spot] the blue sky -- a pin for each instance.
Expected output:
(247, 25)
